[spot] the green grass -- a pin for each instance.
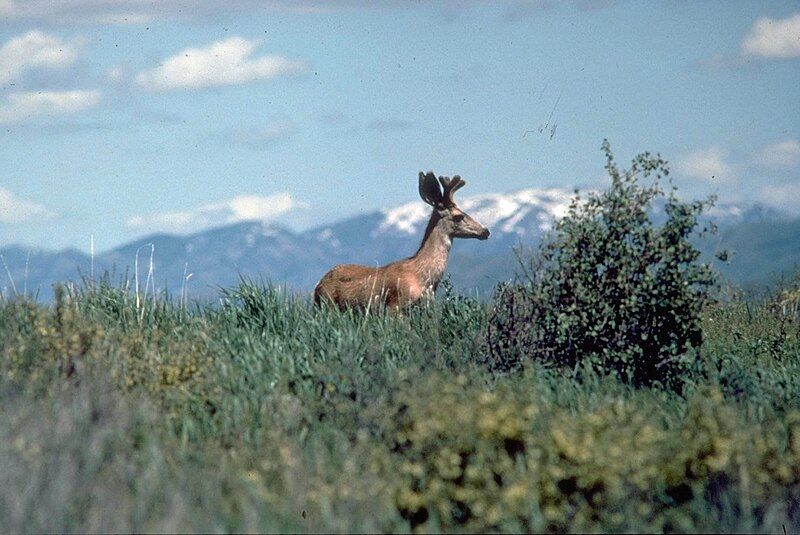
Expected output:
(262, 413)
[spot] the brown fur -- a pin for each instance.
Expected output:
(404, 282)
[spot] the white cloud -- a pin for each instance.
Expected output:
(16, 210)
(21, 106)
(7, 7)
(237, 209)
(783, 196)
(227, 62)
(781, 155)
(708, 164)
(81, 11)
(773, 38)
(143, 11)
(35, 49)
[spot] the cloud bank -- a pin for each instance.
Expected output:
(708, 165)
(21, 106)
(16, 210)
(773, 38)
(228, 62)
(35, 50)
(235, 210)
(145, 11)
(781, 155)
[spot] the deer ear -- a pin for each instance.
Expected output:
(429, 189)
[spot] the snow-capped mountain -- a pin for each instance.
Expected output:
(521, 213)
(395, 232)
(217, 257)
(531, 212)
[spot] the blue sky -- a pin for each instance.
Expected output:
(124, 117)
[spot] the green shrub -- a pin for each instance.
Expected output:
(469, 459)
(455, 455)
(39, 342)
(611, 289)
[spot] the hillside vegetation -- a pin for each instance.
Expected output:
(612, 389)
(265, 414)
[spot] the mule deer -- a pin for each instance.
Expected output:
(404, 282)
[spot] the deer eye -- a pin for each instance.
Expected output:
(458, 217)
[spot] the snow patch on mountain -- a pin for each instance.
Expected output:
(406, 218)
(326, 235)
(726, 211)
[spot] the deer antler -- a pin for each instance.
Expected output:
(450, 186)
(429, 189)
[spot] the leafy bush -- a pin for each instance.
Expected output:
(455, 451)
(611, 289)
(466, 458)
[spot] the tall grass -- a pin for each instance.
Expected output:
(260, 412)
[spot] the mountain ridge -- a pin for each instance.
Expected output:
(218, 256)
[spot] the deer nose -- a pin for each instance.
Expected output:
(485, 234)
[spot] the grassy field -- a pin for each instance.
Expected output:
(261, 413)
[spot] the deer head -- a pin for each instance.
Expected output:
(451, 218)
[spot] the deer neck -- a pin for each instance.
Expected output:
(431, 257)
